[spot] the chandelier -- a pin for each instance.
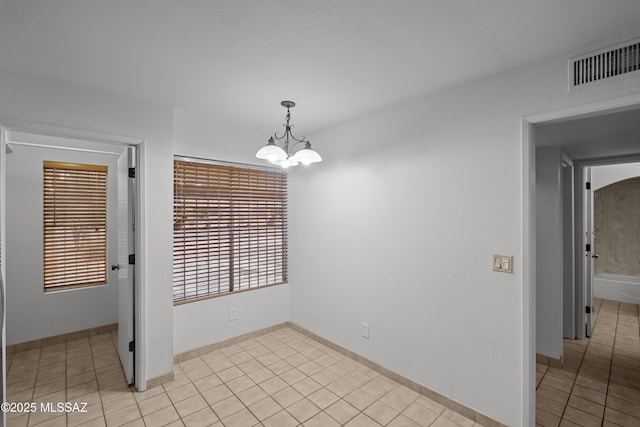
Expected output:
(280, 149)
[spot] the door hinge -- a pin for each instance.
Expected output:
(132, 346)
(588, 186)
(588, 309)
(132, 172)
(588, 248)
(132, 259)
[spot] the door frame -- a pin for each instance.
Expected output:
(581, 263)
(567, 190)
(528, 299)
(8, 125)
(584, 319)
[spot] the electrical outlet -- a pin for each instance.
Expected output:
(233, 314)
(365, 330)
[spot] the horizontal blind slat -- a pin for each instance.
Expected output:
(229, 229)
(75, 221)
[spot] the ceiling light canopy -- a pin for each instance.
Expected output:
(280, 149)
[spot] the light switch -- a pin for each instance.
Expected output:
(496, 262)
(503, 263)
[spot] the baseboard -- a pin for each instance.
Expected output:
(546, 360)
(418, 388)
(425, 391)
(196, 352)
(57, 339)
(162, 379)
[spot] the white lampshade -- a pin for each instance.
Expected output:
(271, 152)
(307, 155)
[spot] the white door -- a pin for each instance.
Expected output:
(125, 270)
(589, 253)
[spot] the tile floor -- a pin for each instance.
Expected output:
(279, 379)
(599, 383)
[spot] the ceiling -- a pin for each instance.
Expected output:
(604, 135)
(336, 58)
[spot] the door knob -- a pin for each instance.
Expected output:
(594, 256)
(115, 267)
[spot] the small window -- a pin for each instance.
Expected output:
(230, 229)
(75, 225)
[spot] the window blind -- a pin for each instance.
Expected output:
(230, 229)
(75, 225)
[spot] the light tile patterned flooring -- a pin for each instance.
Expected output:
(279, 379)
(599, 383)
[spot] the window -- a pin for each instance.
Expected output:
(75, 225)
(230, 229)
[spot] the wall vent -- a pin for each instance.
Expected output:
(604, 64)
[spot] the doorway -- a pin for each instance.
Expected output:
(583, 147)
(616, 190)
(122, 156)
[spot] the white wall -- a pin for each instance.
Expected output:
(204, 322)
(549, 253)
(32, 313)
(46, 103)
(397, 227)
(601, 176)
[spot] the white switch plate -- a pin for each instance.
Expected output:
(503, 263)
(233, 313)
(365, 330)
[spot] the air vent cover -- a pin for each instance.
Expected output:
(612, 62)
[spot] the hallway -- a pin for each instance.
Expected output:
(599, 383)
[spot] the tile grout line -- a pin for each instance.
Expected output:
(36, 381)
(291, 385)
(285, 343)
(233, 393)
(615, 337)
(104, 414)
(584, 355)
(268, 394)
